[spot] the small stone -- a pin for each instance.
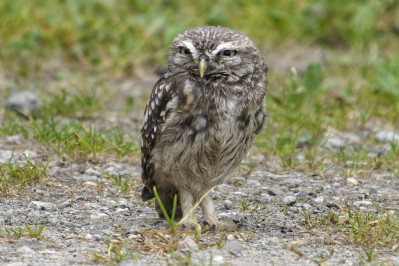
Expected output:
(25, 249)
(219, 260)
(24, 103)
(362, 203)
(122, 210)
(92, 171)
(264, 197)
(55, 171)
(352, 181)
(228, 204)
(145, 210)
(388, 136)
(230, 237)
(289, 200)
(335, 141)
(3, 249)
(190, 244)
(85, 178)
(235, 246)
(253, 183)
(292, 181)
(301, 194)
(89, 183)
(88, 236)
(42, 205)
(65, 204)
(318, 200)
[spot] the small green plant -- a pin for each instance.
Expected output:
(122, 182)
(35, 233)
(116, 253)
(370, 255)
(246, 206)
(19, 232)
(18, 176)
(219, 243)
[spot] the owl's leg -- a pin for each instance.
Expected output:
(208, 209)
(211, 218)
(186, 202)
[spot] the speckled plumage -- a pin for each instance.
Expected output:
(202, 116)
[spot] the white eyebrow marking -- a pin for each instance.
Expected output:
(222, 46)
(191, 47)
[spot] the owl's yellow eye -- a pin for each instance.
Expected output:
(228, 52)
(184, 50)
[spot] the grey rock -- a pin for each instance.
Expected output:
(3, 249)
(388, 136)
(362, 203)
(264, 197)
(301, 194)
(24, 103)
(235, 246)
(85, 178)
(218, 260)
(42, 204)
(190, 244)
(289, 200)
(318, 200)
(228, 204)
(92, 172)
(25, 249)
(292, 181)
(253, 183)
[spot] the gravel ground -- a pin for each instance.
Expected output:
(82, 209)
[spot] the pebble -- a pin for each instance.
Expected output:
(292, 181)
(5, 157)
(289, 200)
(42, 205)
(190, 244)
(85, 178)
(218, 259)
(14, 140)
(387, 136)
(23, 103)
(319, 200)
(264, 197)
(228, 204)
(3, 249)
(253, 183)
(362, 203)
(25, 249)
(92, 171)
(301, 194)
(335, 141)
(352, 181)
(235, 246)
(145, 210)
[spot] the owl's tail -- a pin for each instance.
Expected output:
(166, 195)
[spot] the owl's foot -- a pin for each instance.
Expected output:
(221, 226)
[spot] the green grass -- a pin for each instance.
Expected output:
(17, 177)
(28, 231)
(371, 231)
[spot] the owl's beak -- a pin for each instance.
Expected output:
(202, 67)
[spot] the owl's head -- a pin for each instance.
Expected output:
(216, 53)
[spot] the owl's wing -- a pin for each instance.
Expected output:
(154, 117)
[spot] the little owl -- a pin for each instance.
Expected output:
(202, 117)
